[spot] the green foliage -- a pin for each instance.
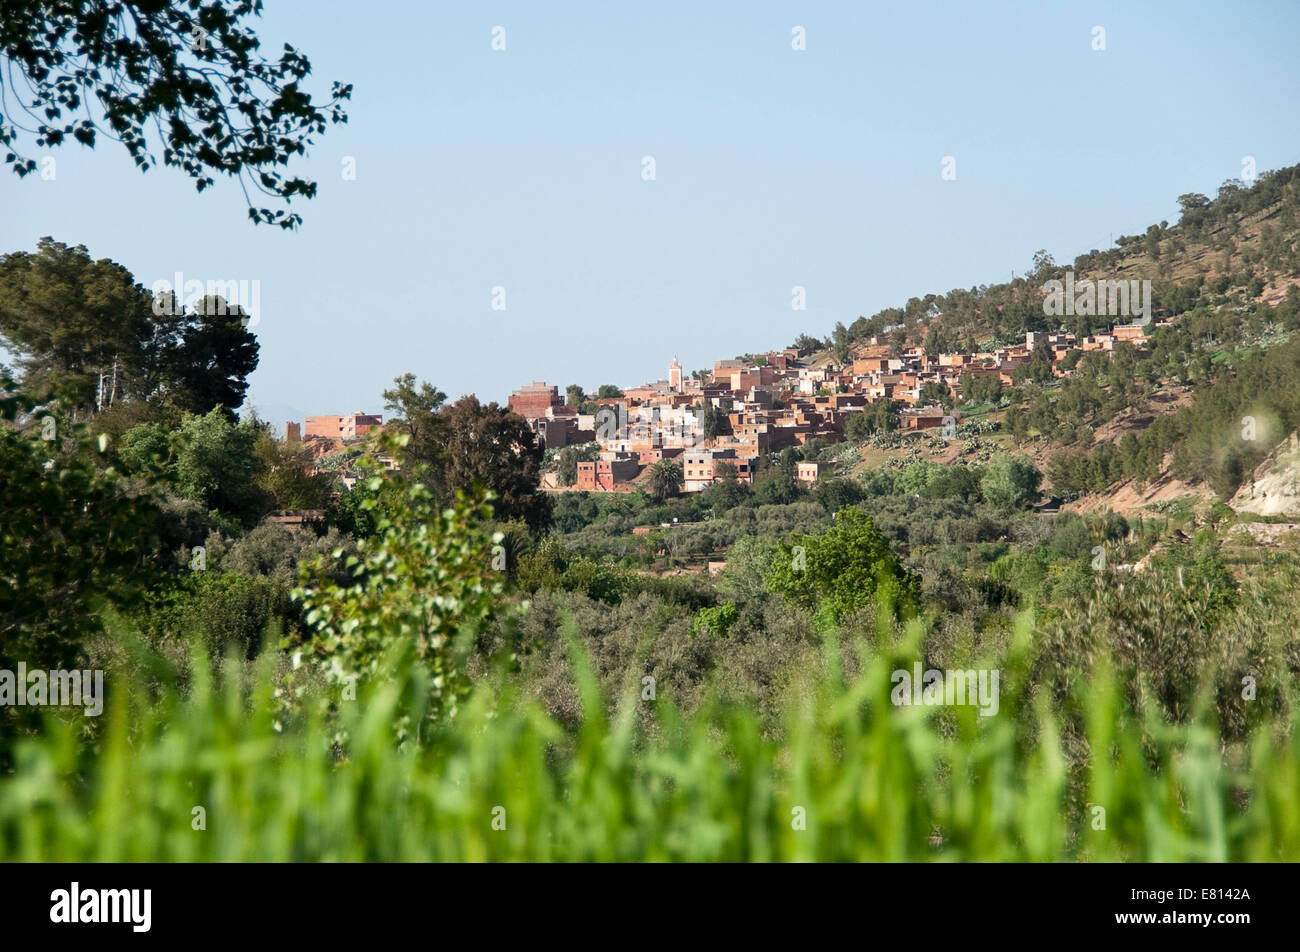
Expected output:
(775, 486)
(273, 552)
(926, 479)
(716, 621)
(928, 783)
(877, 418)
(749, 562)
(467, 446)
(569, 458)
(69, 319)
(837, 494)
(843, 570)
(228, 611)
(726, 493)
(286, 476)
(86, 331)
(713, 420)
(552, 567)
(145, 447)
(573, 511)
(75, 537)
(1175, 635)
(1010, 482)
(128, 70)
(936, 392)
(423, 581)
(350, 515)
(217, 465)
(981, 388)
(665, 479)
(857, 427)
(1038, 367)
(208, 353)
(415, 414)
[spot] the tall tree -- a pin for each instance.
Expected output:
(665, 479)
(849, 566)
(568, 459)
(467, 444)
(74, 538)
(286, 474)
(414, 411)
(207, 362)
(1010, 482)
(217, 464)
(491, 446)
(85, 330)
(712, 420)
(77, 328)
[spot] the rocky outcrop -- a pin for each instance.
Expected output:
(1273, 488)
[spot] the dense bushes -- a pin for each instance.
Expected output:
(552, 566)
(1172, 634)
(226, 610)
(75, 536)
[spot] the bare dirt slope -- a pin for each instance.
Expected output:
(1130, 496)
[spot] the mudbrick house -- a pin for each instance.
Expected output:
(766, 403)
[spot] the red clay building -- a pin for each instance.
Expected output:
(533, 401)
(604, 473)
(346, 427)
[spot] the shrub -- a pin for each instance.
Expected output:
(716, 621)
(423, 582)
(846, 568)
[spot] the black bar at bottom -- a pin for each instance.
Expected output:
(334, 902)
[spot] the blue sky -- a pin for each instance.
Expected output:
(821, 168)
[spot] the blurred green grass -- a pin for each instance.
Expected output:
(872, 782)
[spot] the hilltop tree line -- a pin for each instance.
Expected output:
(986, 315)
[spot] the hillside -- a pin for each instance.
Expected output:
(1141, 422)
(1245, 233)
